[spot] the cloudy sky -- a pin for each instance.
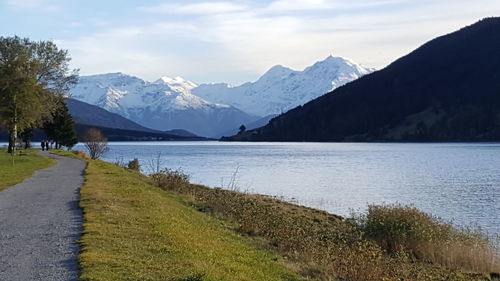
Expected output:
(233, 41)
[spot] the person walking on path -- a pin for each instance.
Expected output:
(43, 145)
(40, 222)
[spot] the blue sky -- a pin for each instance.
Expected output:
(234, 41)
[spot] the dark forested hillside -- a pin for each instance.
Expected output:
(84, 113)
(446, 90)
(113, 126)
(114, 134)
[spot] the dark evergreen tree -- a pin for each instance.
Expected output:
(61, 128)
(26, 136)
(242, 129)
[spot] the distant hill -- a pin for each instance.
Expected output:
(84, 113)
(90, 114)
(113, 126)
(114, 134)
(446, 90)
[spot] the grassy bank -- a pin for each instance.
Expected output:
(389, 243)
(135, 231)
(24, 166)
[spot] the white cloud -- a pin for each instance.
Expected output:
(228, 41)
(209, 8)
(300, 5)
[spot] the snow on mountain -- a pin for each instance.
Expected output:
(163, 105)
(213, 109)
(177, 83)
(281, 89)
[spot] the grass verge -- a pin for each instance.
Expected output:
(24, 166)
(136, 231)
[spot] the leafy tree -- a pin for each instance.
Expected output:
(34, 76)
(20, 98)
(61, 128)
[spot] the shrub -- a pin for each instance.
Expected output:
(175, 180)
(404, 229)
(134, 165)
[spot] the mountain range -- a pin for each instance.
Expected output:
(446, 90)
(281, 89)
(158, 105)
(213, 110)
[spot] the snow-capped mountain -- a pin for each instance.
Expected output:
(281, 89)
(178, 84)
(165, 104)
(213, 109)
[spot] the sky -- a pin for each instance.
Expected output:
(234, 41)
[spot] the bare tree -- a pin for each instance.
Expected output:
(155, 164)
(96, 143)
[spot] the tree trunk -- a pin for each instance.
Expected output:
(12, 139)
(13, 132)
(11, 145)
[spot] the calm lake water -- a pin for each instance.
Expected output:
(458, 182)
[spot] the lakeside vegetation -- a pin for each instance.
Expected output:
(24, 166)
(390, 242)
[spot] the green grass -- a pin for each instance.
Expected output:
(23, 168)
(136, 231)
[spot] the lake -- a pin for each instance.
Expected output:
(458, 182)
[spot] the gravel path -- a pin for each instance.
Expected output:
(39, 223)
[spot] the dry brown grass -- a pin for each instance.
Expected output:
(475, 256)
(81, 154)
(398, 228)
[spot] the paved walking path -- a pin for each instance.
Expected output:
(39, 223)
